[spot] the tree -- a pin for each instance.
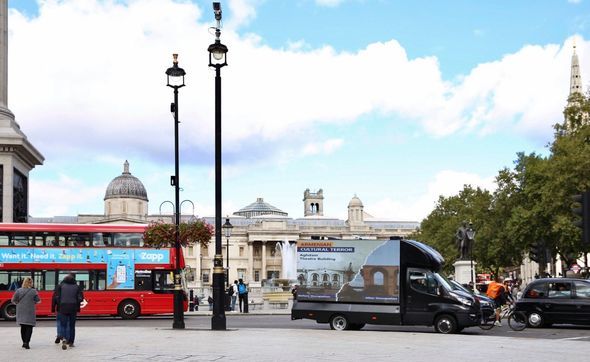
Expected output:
(161, 235)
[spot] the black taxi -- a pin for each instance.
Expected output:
(556, 301)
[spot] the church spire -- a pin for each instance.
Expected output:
(575, 78)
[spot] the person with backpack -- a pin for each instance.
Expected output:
(497, 292)
(243, 296)
(69, 295)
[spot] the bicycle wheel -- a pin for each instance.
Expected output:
(517, 321)
(487, 319)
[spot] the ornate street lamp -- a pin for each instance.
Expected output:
(227, 227)
(470, 233)
(175, 80)
(217, 60)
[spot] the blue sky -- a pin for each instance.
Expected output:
(397, 102)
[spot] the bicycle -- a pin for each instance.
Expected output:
(517, 320)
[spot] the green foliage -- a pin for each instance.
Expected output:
(161, 235)
(532, 202)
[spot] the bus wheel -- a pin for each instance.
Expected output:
(445, 324)
(128, 309)
(9, 311)
(339, 323)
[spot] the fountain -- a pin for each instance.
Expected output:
(277, 292)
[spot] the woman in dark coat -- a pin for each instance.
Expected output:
(26, 298)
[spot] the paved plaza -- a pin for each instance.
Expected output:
(124, 342)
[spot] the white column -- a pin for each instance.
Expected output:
(263, 271)
(250, 269)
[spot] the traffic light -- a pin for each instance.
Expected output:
(536, 252)
(583, 212)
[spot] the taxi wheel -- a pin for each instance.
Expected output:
(535, 320)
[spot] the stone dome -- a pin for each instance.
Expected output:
(126, 186)
(355, 202)
(259, 208)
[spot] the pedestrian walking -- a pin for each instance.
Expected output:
(243, 296)
(26, 299)
(234, 296)
(69, 295)
(55, 309)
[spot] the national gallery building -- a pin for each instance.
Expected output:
(257, 229)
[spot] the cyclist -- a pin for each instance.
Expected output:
(497, 292)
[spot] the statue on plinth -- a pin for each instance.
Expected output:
(464, 243)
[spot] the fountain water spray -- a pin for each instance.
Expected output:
(289, 255)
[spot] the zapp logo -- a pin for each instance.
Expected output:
(152, 257)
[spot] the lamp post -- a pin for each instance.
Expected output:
(227, 228)
(217, 60)
(470, 233)
(175, 80)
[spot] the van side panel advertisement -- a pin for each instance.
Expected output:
(363, 271)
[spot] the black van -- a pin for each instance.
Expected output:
(393, 282)
(556, 300)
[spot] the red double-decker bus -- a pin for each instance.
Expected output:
(119, 275)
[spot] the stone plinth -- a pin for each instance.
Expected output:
(463, 271)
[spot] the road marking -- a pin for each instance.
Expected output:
(574, 338)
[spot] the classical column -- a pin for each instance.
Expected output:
(250, 261)
(263, 271)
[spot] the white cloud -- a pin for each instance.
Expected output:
(445, 183)
(108, 82)
(574, 1)
(60, 197)
(326, 148)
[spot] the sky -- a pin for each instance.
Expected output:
(397, 102)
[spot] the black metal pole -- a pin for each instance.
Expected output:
(178, 302)
(218, 321)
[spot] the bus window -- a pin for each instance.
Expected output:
(4, 240)
(128, 239)
(163, 280)
(44, 280)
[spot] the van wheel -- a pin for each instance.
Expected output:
(128, 309)
(445, 324)
(535, 320)
(339, 323)
(9, 311)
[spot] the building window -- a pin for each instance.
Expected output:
(190, 251)
(256, 275)
(205, 276)
(241, 273)
(205, 250)
(241, 251)
(272, 274)
(20, 197)
(257, 251)
(190, 274)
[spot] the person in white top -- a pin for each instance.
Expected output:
(234, 296)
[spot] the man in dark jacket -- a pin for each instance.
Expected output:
(69, 296)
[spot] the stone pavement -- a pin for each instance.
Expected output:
(132, 343)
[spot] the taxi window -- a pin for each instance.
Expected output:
(537, 291)
(560, 290)
(582, 290)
